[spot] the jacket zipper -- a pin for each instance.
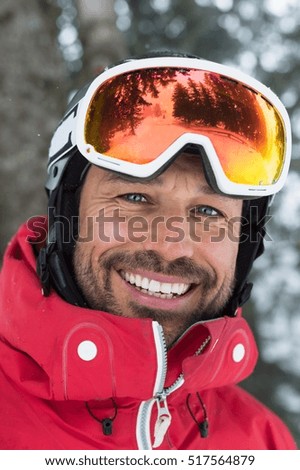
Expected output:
(145, 410)
(160, 394)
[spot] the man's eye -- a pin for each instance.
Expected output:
(134, 197)
(206, 211)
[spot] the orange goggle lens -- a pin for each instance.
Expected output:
(137, 115)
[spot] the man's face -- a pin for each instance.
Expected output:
(164, 249)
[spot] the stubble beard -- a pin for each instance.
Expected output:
(95, 285)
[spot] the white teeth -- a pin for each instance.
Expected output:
(176, 288)
(154, 286)
(180, 288)
(145, 283)
(164, 290)
(184, 288)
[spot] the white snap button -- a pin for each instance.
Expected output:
(87, 350)
(238, 352)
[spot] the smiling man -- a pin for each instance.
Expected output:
(174, 281)
(130, 334)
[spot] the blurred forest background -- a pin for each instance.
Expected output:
(50, 47)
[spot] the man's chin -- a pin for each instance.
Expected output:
(174, 323)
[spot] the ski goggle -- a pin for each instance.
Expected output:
(135, 118)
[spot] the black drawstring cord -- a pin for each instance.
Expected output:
(203, 425)
(106, 422)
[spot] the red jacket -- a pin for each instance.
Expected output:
(74, 378)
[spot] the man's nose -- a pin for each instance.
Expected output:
(170, 237)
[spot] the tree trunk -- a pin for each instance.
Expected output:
(103, 43)
(33, 83)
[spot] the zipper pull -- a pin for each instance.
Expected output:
(163, 421)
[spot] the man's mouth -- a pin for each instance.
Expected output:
(163, 290)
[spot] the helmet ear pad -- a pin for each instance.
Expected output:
(251, 246)
(63, 222)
